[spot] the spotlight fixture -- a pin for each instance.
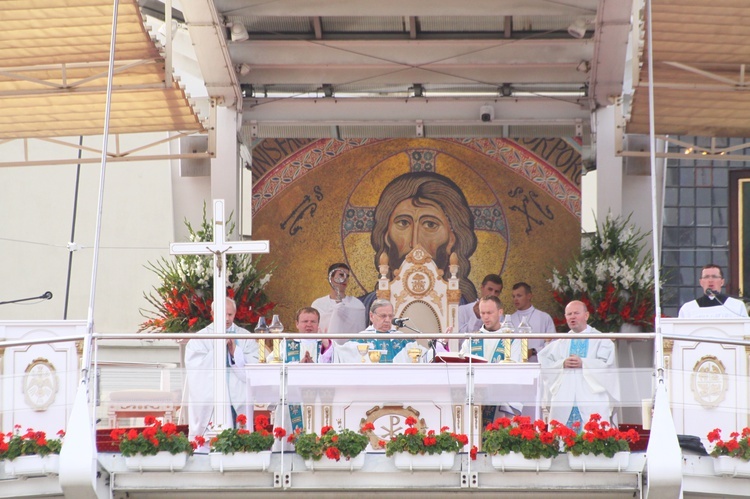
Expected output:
(418, 90)
(506, 90)
(577, 29)
(239, 32)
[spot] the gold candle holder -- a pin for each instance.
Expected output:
(277, 351)
(262, 351)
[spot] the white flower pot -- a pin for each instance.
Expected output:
(244, 461)
(590, 462)
(342, 464)
(33, 465)
(162, 461)
(514, 461)
(731, 466)
(424, 462)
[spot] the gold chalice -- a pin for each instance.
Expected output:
(414, 354)
(363, 348)
(375, 356)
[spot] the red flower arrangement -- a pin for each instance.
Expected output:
(331, 443)
(532, 440)
(153, 439)
(736, 446)
(415, 440)
(241, 439)
(613, 276)
(182, 302)
(598, 437)
(16, 444)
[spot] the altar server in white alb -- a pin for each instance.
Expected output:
(468, 315)
(339, 313)
(579, 374)
(537, 320)
(713, 304)
(199, 361)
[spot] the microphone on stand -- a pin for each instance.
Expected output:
(399, 321)
(717, 296)
(47, 295)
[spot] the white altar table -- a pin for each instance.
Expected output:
(347, 395)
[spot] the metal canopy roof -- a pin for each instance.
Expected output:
(395, 68)
(700, 52)
(53, 72)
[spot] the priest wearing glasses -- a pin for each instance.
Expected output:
(393, 348)
(713, 304)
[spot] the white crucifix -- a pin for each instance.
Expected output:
(220, 248)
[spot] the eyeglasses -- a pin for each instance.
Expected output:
(711, 277)
(385, 316)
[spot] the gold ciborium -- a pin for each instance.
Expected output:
(375, 356)
(414, 354)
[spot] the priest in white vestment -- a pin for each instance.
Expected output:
(579, 374)
(392, 348)
(713, 304)
(199, 363)
(537, 320)
(493, 350)
(339, 313)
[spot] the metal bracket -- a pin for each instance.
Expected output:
(282, 480)
(469, 480)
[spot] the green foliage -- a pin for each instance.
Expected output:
(182, 302)
(533, 440)
(598, 438)
(736, 446)
(331, 443)
(613, 276)
(153, 439)
(15, 444)
(415, 440)
(241, 439)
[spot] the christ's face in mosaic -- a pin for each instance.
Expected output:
(420, 222)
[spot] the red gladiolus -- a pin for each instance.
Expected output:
(326, 429)
(279, 432)
(473, 452)
(241, 419)
(411, 421)
(149, 420)
(132, 434)
(411, 431)
(367, 427)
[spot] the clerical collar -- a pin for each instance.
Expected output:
(705, 301)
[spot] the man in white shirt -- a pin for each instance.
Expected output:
(339, 313)
(468, 314)
(579, 374)
(713, 304)
(537, 320)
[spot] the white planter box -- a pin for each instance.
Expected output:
(514, 461)
(424, 462)
(33, 465)
(240, 461)
(342, 464)
(589, 462)
(162, 461)
(732, 466)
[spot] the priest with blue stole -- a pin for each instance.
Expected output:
(579, 374)
(392, 348)
(492, 349)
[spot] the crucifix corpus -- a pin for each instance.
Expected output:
(220, 248)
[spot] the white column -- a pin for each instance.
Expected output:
(609, 167)
(225, 166)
